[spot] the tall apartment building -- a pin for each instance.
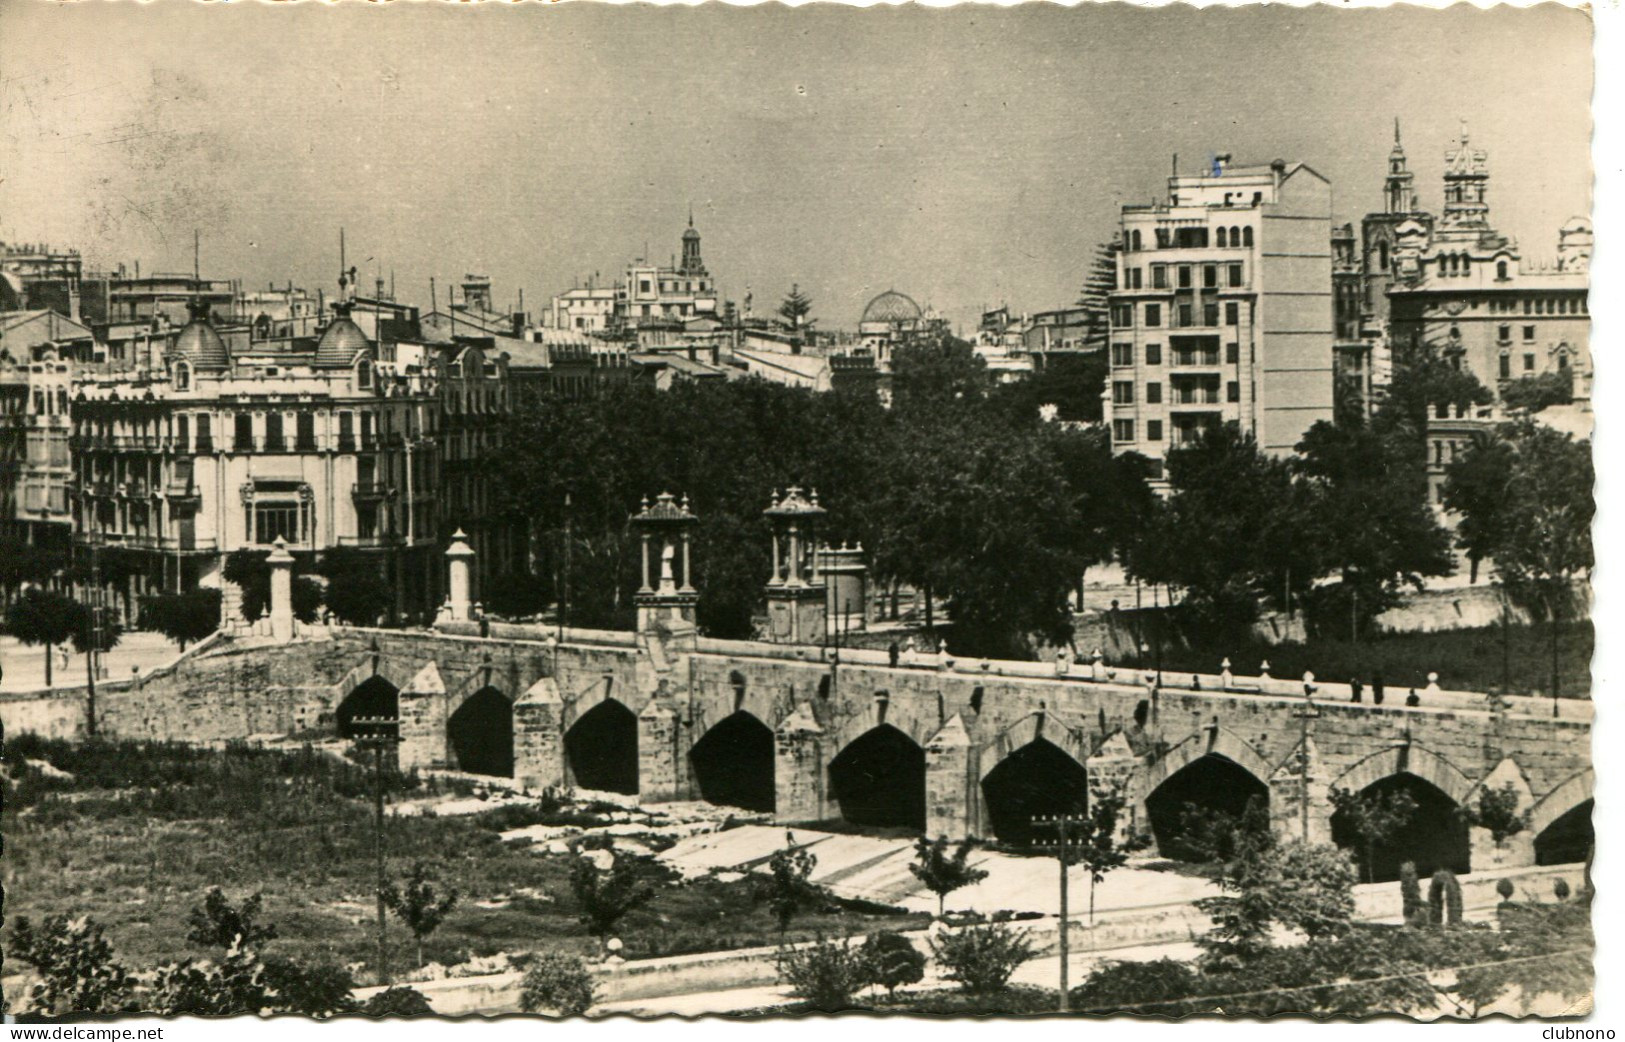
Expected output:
(1223, 311)
(649, 294)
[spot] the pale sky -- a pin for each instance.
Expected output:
(966, 156)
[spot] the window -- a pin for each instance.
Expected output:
(1153, 315)
(1232, 391)
(1159, 276)
(183, 432)
(306, 432)
(183, 377)
(1503, 333)
(1122, 430)
(1224, 239)
(1235, 276)
(1122, 355)
(1382, 256)
(1506, 367)
(363, 375)
(1528, 334)
(1185, 316)
(1528, 363)
(243, 435)
(1438, 454)
(1191, 238)
(1247, 232)
(1153, 354)
(1210, 314)
(1501, 271)
(273, 432)
(1563, 361)
(346, 432)
(1123, 315)
(1210, 276)
(205, 439)
(1153, 430)
(1134, 240)
(1163, 239)
(1153, 394)
(1134, 276)
(1123, 392)
(1184, 276)
(1232, 314)
(1232, 354)
(277, 520)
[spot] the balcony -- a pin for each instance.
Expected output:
(347, 443)
(371, 490)
(370, 542)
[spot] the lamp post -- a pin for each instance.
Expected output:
(378, 733)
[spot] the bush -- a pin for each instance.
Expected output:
(1410, 895)
(398, 1001)
(894, 961)
(1560, 888)
(1116, 984)
(1444, 899)
(1504, 888)
(827, 974)
(557, 982)
(980, 959)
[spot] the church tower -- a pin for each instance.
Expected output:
(692, 264)
(1466, 186)
(1401, 195)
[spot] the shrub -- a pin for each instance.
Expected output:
(77, 969)
(1116, 984)
(1444, 899)
(557, 982)
(398, 1001)
(1560, 888)
(1504, 888)
(828, 973)
(216, 924)
(1410, 895)
(980, 959)
(894, 961)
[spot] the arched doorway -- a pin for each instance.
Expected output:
(1037, 780)
(1434, 836)
(733, 763)
(879, 779)
(601, 748)
(1568, 839)
(374, 697)
(1194, 806)
(481, 733)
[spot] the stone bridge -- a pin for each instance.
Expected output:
(935, 745)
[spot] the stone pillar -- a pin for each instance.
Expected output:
(662, 752)
(281, 563)
(798, 768)
(458, 556)
(1300, 796)
(948, 787)
(422, 707)
(538, 738)
(1112, 769)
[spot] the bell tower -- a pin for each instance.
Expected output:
(666, 598)
(1398, 189)
(1466, 186)
(692, 264)
(796, 609)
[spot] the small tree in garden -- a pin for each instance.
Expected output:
(827, 974)
(894, 961)
(184, 618)
(78, 973)
(1374, 818)
(1560, 889)
(42, 617)
(980, 959)
(557, 982)
(1504, 888)
(1410, 895)
(1301, 886)
(942, 872)
(788, 888)
(420, 903)
(217, 924)
(1097, 848)
(605, 896)
(1444, 899)
(1496, 810)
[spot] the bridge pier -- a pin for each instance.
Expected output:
(950, 788)
(1300, 797)
(422, 709)
(662, 751)
(1516, 850)
(798, 768)
(538, 738)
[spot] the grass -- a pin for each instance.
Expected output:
(140, 831)
(1466, 660)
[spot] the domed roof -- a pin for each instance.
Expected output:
(340, 341)
(1577, 224)
(199, 341)
(892, 306)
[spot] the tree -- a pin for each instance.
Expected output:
(1373, 818)
(75, 961)
(605, 896)
(24, 564)
(357, 591)
(217, 924)
(249, 572)
(559, 982)
(1097, 848)
(1496, 811)
(41, 617)
(795, 307)
(941, 872)
(980, 959)
(419, 903)
(1096, 295)
(1533, 393)
(242, 983)
(1301, 886)
(184, 618)
(788, 887)
(894, 961)
(827, 973)
(1218, 837)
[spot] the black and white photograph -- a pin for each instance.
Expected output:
(610, 511)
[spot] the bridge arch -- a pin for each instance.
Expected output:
(733, 762)
(878, 779)
(1436, 834)
(1037, 779)
(601, 748)
(1561, 821)
(480, 733)
(373, 697)
(1211, 776)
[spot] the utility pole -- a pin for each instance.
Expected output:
(1062, 847)
(377, 733)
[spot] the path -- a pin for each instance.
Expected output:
(24, 665)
